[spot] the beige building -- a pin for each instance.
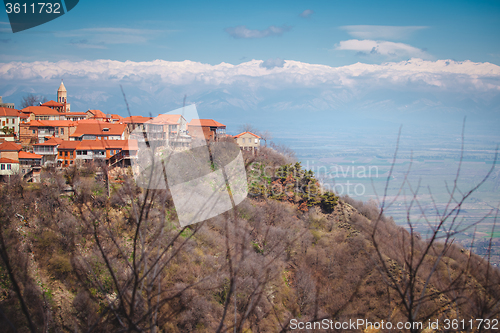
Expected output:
(9, 118)
(8, 167)
(248, 141)
(10, 150)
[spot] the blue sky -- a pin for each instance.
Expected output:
(201, 31)
(394, 61)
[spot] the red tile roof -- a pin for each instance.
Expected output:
(237, 136)
(74, 114)
(69, 145)
(136, 120)
(131, 145)
(174, 118)
(52, 123)
(52, 103)
(107, 144)
(97, 113)
(25, 154)
(10, 146)
(205, 123)
(97, 128)
(8, 160)
(8, 112)
(40, 110)
(91, 145)
(53, 141)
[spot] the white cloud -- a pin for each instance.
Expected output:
(187, 72)
(381, 31)
(306, 13)
(250, 85)
(243, 32)
(272, 63)
(384, 48)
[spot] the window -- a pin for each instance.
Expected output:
(71, 154)
(60, 154)
(34, 132)
(8, 166)
(66, 154)
(2, 166)
(256, 140)
(62, 131)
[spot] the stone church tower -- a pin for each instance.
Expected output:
(62, 96)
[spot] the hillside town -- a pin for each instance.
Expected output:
(51, 135)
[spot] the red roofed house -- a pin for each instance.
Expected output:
(120, 152)
(41, 113)
(96, 114)
(207, 129)
(99, 115)
(75, 116)
(9, 119)
(54, 105)
(48, 149)
(13, 159)
(30, 166)
(66, 153)
(94, 129)
(36, 131)
(114, 152)
(175, 129)
(144, 128)
(10, 150)
(248, 141)
(8, 167)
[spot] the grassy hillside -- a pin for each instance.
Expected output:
(85, 262)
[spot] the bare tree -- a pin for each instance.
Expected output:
(265, 135)
(247, 127)
(32, 100)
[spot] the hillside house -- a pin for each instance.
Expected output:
(75, 116)
(59, 107)
(30, 166)
(113, 152)
(93, 129)
(15, 161)
(36, 131)
(48, 149)
(8, 167)
(207, 129)
(248, 141)
(174, 129)
(9, 118)
(10, 150)
(66, 153)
